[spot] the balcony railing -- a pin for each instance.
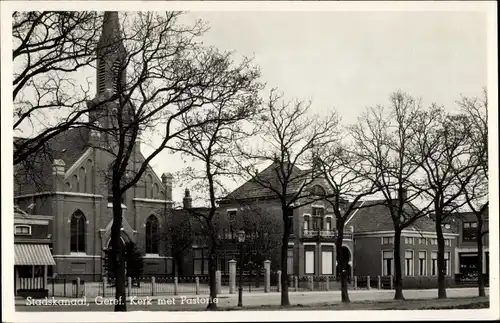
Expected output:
(327, 234)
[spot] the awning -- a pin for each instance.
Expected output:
(32, 255)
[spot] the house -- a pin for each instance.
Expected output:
(465, 225)
(186, 237)
(69, 180)
(311, 246)
(33, 260)
(374, 243)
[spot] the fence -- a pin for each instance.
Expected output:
(266, 282)
(64, 287)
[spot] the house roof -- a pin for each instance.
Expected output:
(35, 173)
(259, 185)
(375, 216)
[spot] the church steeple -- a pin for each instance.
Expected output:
(111, 55)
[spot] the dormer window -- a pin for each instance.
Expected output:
(22, 230)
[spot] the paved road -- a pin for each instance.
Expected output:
(191, 303)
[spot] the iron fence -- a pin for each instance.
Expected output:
(199, 285)
(65, 287)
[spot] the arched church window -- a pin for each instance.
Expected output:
(76, 183)
(152, 233)
(88, 178)
(78, 232)
(83, 176)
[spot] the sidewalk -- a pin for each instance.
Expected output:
(312, 297)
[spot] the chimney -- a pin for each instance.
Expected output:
(166, 179)
(187, 201)
(58, 170)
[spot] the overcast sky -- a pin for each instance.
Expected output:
(350, 60)
(353, 60)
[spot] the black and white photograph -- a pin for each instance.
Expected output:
(301, 160)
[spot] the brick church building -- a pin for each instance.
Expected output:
(68, 182)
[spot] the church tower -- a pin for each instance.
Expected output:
(110, 73)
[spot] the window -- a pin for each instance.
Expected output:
(319, 191)
(421, 241)
(306, 223)
(434, 268)
(289, 261)
(327, 262)
(447, 263)
(433, 241)
(232, 218)
(318, 214)
(409, 263)
(200, 261)
(422, 265)
(408, 240)
(77, 241)
(152, 235)
(329, 224)
(447, 242)
(76, 183)
(469, 231)
(83, 176)
(22, 229)
(387, 240)
(309, 262)
(387, 262)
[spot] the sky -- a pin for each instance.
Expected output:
(348, 60)
(353, 60)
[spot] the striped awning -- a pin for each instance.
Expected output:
(32, 255)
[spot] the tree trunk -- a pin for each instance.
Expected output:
(257, 276)
(398, 283)
(212, 268)
(285, 300)
(440, 260)
(342, 265)
(118, 252)
(479, 241)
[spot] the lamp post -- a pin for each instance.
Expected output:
(241, 240)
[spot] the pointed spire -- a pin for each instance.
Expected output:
(111, 54)
(110, 28)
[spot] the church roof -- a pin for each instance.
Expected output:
(35, 173)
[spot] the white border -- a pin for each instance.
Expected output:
(7, 186)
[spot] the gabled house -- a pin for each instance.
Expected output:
(311, 247)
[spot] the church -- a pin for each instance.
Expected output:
(67, 184)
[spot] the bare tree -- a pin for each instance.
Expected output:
(172, 78)
(390, 162)
(442, 140)
(476, 191)
(210, 144)
(341, 169)
(290, 137)
(264, 231)
(177, 236)
(50, 49)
